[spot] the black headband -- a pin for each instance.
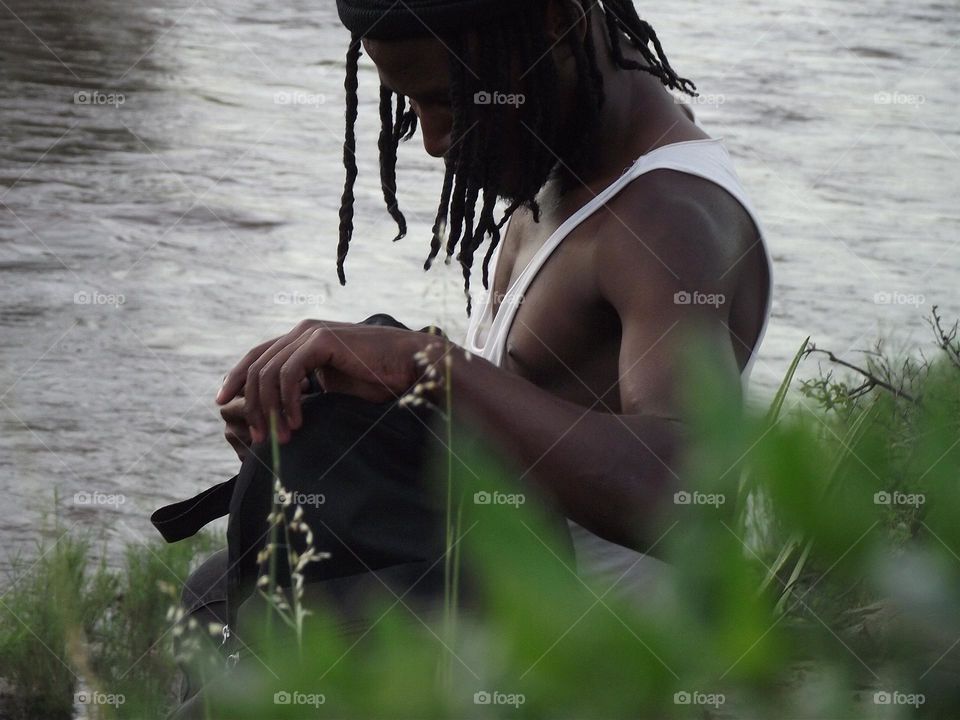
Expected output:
(400, 19)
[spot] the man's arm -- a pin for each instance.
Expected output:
(609, 472)
(612, 472)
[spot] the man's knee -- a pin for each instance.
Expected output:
(207, 584)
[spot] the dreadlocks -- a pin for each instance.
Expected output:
(468, 198)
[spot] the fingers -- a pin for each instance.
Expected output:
(235, 380)
(240, 444)
(237, 377)
(380, 358)
(315, 351)
(251, 383)
(237, 432)
(232, 412)
(262, 390)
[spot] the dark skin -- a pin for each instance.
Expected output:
(587, 401)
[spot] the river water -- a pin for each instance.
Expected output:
(156, 227)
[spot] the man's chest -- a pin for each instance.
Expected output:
(564, 337)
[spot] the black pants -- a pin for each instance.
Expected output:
(204, 599)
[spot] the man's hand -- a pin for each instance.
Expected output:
(375, 363)
(237, 432)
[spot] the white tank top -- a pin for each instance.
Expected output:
(598, 560)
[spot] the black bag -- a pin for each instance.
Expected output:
(382, 516)
(361, 473)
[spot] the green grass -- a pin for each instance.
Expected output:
(799, 596)
(65, 615)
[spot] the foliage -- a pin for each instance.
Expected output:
(812, 570)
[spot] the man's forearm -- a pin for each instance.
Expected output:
(607, 472)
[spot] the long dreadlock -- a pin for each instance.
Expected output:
(470, 190)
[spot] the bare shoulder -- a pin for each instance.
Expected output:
(675, 229)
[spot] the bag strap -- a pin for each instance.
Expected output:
(187, 517)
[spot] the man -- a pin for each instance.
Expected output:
(586, 391)
(628, 233)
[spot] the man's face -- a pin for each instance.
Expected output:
(420, 70)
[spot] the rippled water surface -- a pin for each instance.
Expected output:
(145, 245)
